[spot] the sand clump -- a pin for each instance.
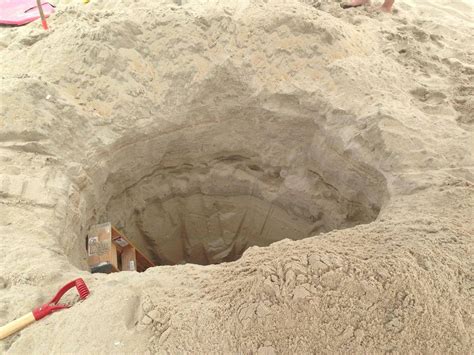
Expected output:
(327, 153)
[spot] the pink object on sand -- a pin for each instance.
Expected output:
(20, 12)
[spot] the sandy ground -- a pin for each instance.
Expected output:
(348, 117)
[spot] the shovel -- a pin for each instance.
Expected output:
(44, 310)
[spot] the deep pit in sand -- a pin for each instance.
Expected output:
(222, 159)
(208, 208)
(211, 213)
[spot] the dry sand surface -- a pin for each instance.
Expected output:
(332, 148)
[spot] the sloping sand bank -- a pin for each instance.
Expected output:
(209, 130)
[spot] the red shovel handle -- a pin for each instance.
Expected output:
(44, 310)
(52, 305)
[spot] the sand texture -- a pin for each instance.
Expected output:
(319, 159)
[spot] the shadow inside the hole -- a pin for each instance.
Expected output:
(204, 230)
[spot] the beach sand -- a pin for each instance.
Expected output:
(332, 148)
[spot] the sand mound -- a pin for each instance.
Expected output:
(326, 152)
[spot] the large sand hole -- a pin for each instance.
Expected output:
(210, 213)
(192, 197)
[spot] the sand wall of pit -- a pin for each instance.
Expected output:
(162, 187)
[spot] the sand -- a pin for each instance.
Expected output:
(327, 151)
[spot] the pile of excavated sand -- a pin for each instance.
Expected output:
(326, 153)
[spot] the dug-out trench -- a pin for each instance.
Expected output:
(205, 194)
